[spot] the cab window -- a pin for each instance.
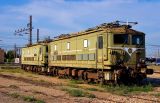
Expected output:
(100, 42)
(120, 39)
(137, 40)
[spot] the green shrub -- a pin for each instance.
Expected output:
(125, 90)
(76, 92)
(32, 99)
(157, 95)
(14, 95)
(80, 93)
(73, 81)
(91, 95)
(29, 98)
(92, 89)
(39, 101)
(73, 85)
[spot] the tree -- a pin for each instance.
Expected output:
(9, 56)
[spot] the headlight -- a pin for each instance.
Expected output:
(141, 60)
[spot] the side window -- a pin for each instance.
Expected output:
(100, 42)
(40, 50)
(55, 47)
(47, 49)
(85, 43)
(68, 45)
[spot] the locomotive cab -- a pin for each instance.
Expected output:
(128, 49)
(126, 52)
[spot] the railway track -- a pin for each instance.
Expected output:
(145, 99)
(33, 82)
(158, 72)
(3, 66)
(47, 84)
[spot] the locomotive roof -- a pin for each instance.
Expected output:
(39, 43)
(113, 27)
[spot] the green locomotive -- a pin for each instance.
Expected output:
(34, 57)
(110, 52)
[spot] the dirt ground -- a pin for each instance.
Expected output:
(26, 87)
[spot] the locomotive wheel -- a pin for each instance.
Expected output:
(80, 77)
(85, 78)
(81, 74)
(96, 81)
(101, 81)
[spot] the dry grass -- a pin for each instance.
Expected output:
(157, 95)
(127, 90)
(13, 86)
(17, 70)
(92, 89)
(76, 81)
(30, 99)
(75, 89)
(77, 92)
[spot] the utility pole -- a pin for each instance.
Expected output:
(19, 55)
(37, 35)
(15, 51)
(30, 30)
(26, 30)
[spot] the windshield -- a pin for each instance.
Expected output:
(137, 39)
(121, 39)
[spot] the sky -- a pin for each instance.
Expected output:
(54, 17)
